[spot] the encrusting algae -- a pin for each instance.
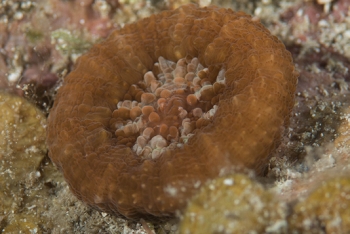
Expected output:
(226, 117)
(22, 149)
(325, 210)
(234, 204)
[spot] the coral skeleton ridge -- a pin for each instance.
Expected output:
(167, 103)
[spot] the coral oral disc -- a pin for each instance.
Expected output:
(169, 112)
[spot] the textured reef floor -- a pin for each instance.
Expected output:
(36, 199)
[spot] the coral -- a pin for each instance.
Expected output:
(325, 210)
(234, 204)
(253, 106)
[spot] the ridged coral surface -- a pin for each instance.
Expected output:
(104, 172)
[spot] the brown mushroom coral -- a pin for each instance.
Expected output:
(136, 134)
